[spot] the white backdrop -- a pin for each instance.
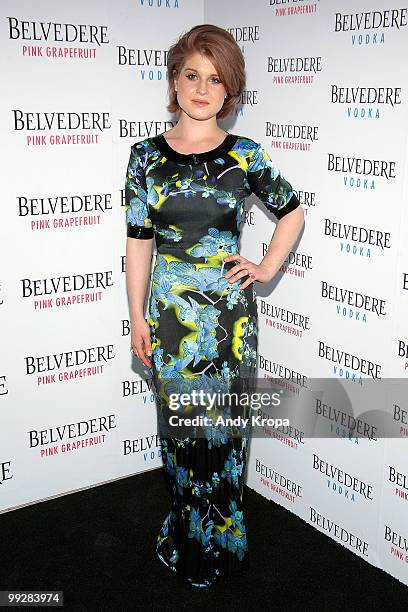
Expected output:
(81, 83)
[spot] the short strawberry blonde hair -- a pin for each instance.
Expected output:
(220, 47)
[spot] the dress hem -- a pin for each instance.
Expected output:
(189, 580)
(238, 572)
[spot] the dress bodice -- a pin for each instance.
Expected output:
(193, 203)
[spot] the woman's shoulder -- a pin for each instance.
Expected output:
(144, 144)
(246, 139)
(247, 147)
(144, 149)
(246, 144)
(243, 144)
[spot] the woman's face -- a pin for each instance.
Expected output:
(198, 81)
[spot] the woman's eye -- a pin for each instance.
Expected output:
(193, 75)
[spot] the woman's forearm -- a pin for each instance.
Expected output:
(138, 264)
(283, 239)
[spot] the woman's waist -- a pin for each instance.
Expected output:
(179, 255)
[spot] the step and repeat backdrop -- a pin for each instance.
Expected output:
(326, 94)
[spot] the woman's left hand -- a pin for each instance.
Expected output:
(244, 267)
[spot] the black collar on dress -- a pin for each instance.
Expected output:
(195, 158)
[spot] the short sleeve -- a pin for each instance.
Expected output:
(138, 222)
(267, 182)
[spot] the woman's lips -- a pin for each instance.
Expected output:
(199, 103)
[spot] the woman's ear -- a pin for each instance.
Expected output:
(175, 78)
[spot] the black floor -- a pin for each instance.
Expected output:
(97, 546)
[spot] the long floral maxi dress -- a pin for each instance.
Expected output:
(204, 335)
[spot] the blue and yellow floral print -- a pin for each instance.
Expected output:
(203, 333)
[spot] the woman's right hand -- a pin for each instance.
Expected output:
(140, 341)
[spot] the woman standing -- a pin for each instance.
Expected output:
(186, 188)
